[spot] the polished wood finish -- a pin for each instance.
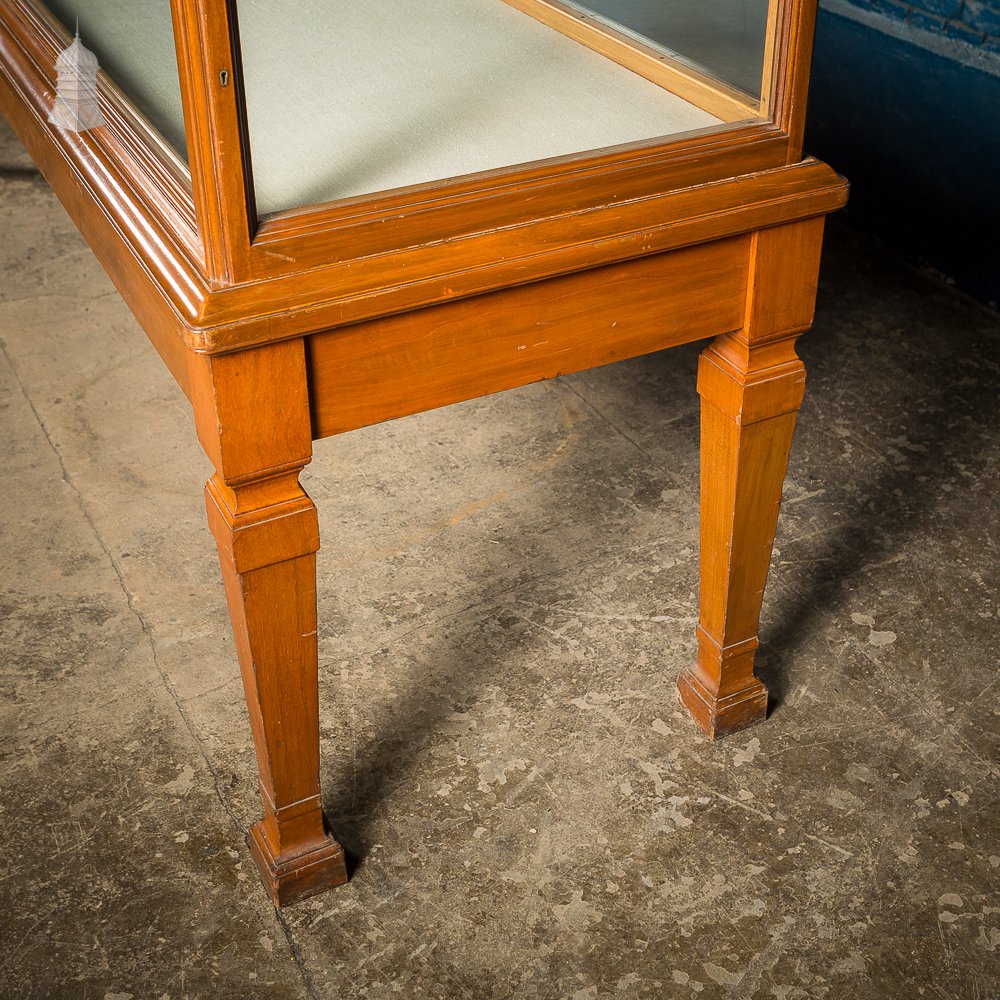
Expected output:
(330, 317)
(252, 416)
(751, 384)
(211, 78)
(788, 60)
(772, 53)
(508, 225)
(341, 293)
(420, 360)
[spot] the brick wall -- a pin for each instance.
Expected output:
(974, 21)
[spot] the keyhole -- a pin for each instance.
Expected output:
(224, 78)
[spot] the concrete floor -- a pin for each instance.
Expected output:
(507, 593)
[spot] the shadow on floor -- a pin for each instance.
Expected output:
(938, 406)
(941, 397)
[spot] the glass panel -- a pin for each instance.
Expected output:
(347, 98)
(724, 38)
(134, 44)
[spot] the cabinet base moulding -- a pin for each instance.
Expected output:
(303, 875)
(720, 716)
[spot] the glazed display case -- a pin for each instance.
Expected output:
(326, 215)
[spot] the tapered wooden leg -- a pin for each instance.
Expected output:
(268, 556)
(253, 419)
(751, 385)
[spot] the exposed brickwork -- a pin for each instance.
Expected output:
(973, 21)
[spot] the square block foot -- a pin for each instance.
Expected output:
(722, 716)
(300, 876)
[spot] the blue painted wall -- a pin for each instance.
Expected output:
(905, 101)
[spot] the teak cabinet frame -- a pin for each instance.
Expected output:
(322, 319)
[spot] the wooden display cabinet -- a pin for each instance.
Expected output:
(570, 184)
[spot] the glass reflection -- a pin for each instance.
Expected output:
(725, 38)
(134, 44)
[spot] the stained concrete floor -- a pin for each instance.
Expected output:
(507, 593)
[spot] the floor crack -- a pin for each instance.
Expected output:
(129, 596)
(147, 631)
(296, 951)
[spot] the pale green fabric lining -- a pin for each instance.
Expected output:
(347, 98)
